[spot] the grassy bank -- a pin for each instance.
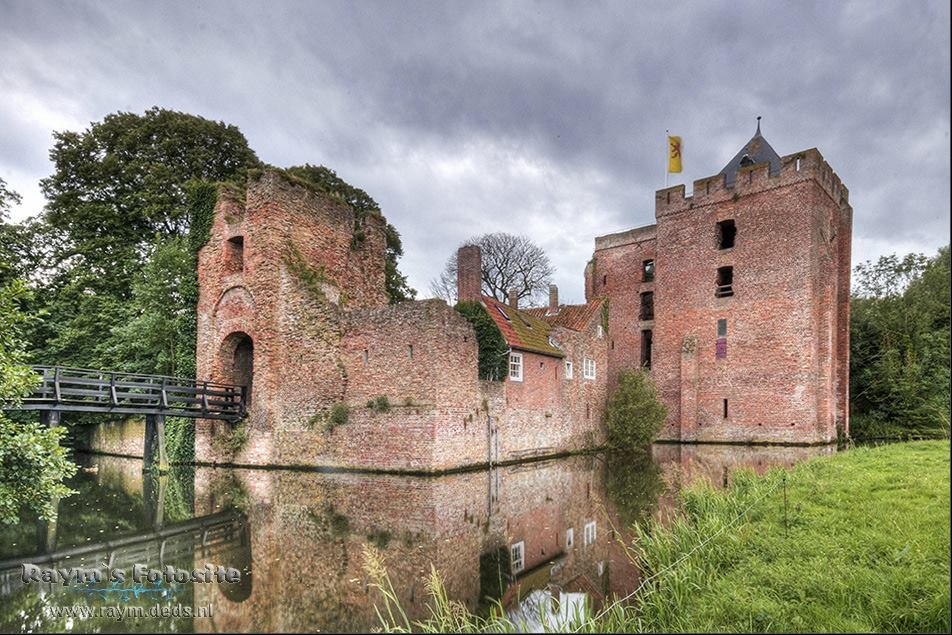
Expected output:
(865, 547)
(862, 544)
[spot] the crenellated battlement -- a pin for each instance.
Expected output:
(797, 167)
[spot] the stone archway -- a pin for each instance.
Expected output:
(236, 361)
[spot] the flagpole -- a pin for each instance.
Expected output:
(667, 151)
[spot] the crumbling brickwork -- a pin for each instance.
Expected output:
(292, 303)
(750, 342)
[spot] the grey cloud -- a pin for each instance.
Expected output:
(383, 92)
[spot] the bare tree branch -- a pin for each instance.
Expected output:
(508, 262)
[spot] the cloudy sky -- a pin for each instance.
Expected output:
(545, 119)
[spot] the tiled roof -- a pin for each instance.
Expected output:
(570, 316)
(521, 329)
(757, 150)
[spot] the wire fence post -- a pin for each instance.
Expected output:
(785, 523)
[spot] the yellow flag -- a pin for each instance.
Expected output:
(674, 154)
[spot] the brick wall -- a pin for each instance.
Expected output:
(329, 337)
(785, 373)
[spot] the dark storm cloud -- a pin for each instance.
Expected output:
(538, 118)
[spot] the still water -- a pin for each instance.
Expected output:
(516, 534)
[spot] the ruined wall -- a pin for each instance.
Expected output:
(299, 262)
(290, 289)
(784, 374)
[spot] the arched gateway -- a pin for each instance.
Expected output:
(236, 362)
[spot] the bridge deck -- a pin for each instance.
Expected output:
(64, 389)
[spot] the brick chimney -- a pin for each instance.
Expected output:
(468, 273)
(553, 300)
(514, 298)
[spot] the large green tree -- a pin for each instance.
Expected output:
(899, 346)
(32, 463)
(118, 189)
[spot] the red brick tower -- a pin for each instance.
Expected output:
(738, 300)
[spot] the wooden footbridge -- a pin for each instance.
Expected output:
(62, 389)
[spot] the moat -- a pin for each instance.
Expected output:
(300, 538)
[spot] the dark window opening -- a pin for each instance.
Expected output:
(605, 279)
(726, 233)
(746, 160)
(646, 349)
(647, 306)
(647, 270)
(235, 255)
(722, 328)
(725, 282)
(725, 408)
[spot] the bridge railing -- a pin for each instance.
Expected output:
(86, 390)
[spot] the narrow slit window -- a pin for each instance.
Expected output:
(647, 271)
(647, 306)
(410, 351)
(646, 349)
(725, 282)
(726, 234)
(568, 370)
(725, 408)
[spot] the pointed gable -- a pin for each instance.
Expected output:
(757, 150)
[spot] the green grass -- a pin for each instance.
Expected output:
(865, 548)
(862, 544)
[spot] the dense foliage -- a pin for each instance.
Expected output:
(493, 349)
(634, 413)
(899, 347)
(118, 200)
(32, 463)
(113, 257)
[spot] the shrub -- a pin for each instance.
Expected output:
(338, 416)
(379, 404)
(493, 349)
(634, 413)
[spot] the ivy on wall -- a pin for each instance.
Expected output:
(493, 350)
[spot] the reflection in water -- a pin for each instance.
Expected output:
(541, 535)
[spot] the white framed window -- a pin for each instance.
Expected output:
(515, 366)
(589, 368)
(568, 369)
(589, 537)
(569, 538)
(599, 332)
(517, 555)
